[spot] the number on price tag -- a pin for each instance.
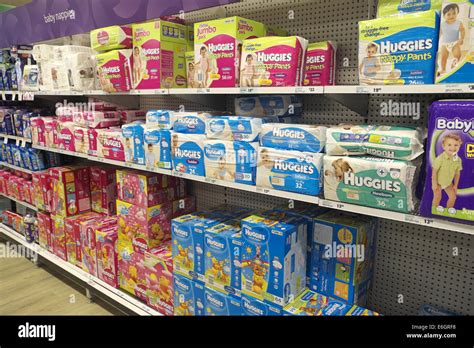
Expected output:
(428, 221)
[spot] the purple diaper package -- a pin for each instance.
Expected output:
(449, 185)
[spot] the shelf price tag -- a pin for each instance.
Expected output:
(5, 140)
(29, 96)
(210, 181)
(412, 219)
(327, 204)
(362, 90)
(17, 142)
(203, 90)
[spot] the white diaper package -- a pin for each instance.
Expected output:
(269, 105)
(181, 122)
(234, 161)
(54, 76)
(296, 137)
(234, 128)
(188, 153)
(292, 171)
(157, 143)
(371, 181)
(81, 69)
(43, 52)
(160, 118)
(403, 143)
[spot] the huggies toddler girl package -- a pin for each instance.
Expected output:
(293, 137)
(234, 161)
(234, 128)
(449, 184)
(292, 171)
(111, 144)
(217, 50)
(188, 153)
(393, 7)
(456, 42)
(111, 38)
(115, 70)
(320, 67)
(399, 49)
(157, 144)
(272, 61)
(370, 181)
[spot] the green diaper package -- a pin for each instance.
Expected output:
(392, 7)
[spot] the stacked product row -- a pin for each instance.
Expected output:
(27, 157)
(17, 122)
(17, 185)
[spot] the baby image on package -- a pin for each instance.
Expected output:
(455, 62)
(398, 49)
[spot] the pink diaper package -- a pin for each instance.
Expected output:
(130, 116)
(97, 119)
(103, 190)
(111, 144)
(37, 131)
(111, 38)
(92, 136)
(272, 61)
(115, 70)
(51, 131)
(81, 140)
(65, 139)
(320, 67)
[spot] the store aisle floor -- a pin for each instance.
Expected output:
(29, 290)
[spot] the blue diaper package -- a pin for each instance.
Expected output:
(188, 297)
(219, 304)
(18, 122)
(26, 120)
(269, 105)
(296, 137)
(399, 49)
(157, 148)
(189, 122)
(188, 153)
(234, 161)
(159, 118)
(9, 153)
(36, 160)
(6, 122)
(291, 171)
(251, 306)
(234, 128)
(133, 142)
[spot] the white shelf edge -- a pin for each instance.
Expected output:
(11, 166)
(401, 89)
(28, 205)
(117, 295)
(14, 137)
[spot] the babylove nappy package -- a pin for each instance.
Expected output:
(269, 105)
(272, 61)
(403, 143)
(393, 7)
(320, 65)
(296, 137)
(455, 62)
(111, 38)
(449, 185)
(234, 128)
(370, 181)
(115, 70)
(398, 49)
(217, 50)
(159, 55)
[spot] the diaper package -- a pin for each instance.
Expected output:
(81, 69)
(190, 70)
(111, 144)
(296, 137)
(234, 161)
(96, 119)
(160, 118)
(403, 143)
(65, 136)
(111, 38)
(220, 304)
(399, 49)
(449, 182)
(393, 7)
(272, 61)
(269, 105)
(320, 66)
(455, 62)
(188, 297)
(370, 181)
(188, 153)
(159, 55)
(189, 122)
(233, 128)
(217, 46)
(292, 171)
(115, 70)
(133, 135)
(157, 148)
(81, 140)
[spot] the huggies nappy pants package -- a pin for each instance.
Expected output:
(320, 66)
(449, 181)
(115, 70)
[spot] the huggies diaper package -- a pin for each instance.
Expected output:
(404, 143)
(234, 161)
(66, 136)
(189, 122)
(190, 70)
(296, 137)
(269, 105)
(251, 306)
(115, 70)
(370, 181)
(273, 258)
(292, 171)
(393, 7)
(111, 144)
(160, 118)
(219, 304)
(217, 50)
(233, 128)
(399, 49)
(272, 61)
(455, 62)
(81, 140)
(103, 190)
(133, 135)
(111, 38)
(157, 148)
(343, 276)
(107, 259)
(37, 131)
(96, 119)
(188, 297)
(159, 55)
(320, 66)
(449, 181)
(188, 153)
(51, 131)
(131, 270)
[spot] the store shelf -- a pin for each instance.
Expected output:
(14, 137)
(8, 165)
(249, 90)
(401, 89)
(110, 292)
(29, 206)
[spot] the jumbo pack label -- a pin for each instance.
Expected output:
(272, 61)
(320, 65)
(188, 153)
(217, 50)
(115, 70)
(393, 7)
(291, 171)
(370, 181)
(293, 137)
(398, 50)
(449, 185)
